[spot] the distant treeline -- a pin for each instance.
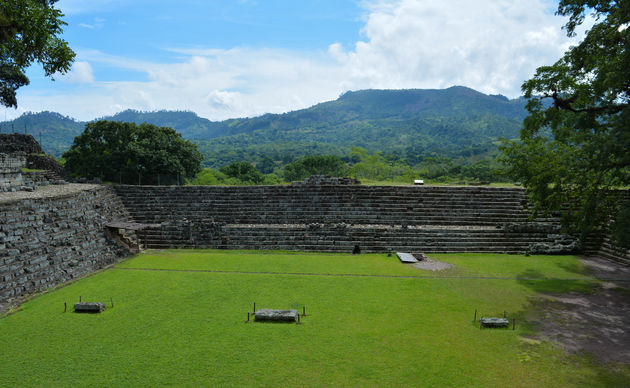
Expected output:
(359, 163)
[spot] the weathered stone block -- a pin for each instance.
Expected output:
(89, 307)
(494, 322)
(271, 315)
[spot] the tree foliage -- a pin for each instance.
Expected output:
(133, 154)
(29, 32)
(574, 148)
(243, 172)
(314, 165)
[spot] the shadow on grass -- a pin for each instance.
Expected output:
(575, 267)
(539, 283)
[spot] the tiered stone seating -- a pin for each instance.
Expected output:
(335, 218)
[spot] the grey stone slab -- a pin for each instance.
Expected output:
(494, 322)
(89, 307)
(271, 315)
(406, 257)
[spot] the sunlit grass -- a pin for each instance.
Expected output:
(184, 327)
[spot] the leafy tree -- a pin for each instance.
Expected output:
(244, 172)
(29, 32)
(376, 167)
(314, 165)
(208, 177)
(133, 154)
(266, 165)
(574, 147)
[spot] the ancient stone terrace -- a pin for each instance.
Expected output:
(53, 235)
(336, 217)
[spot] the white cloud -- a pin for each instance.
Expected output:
(489, 45)
(97, 23)
(81, 72)
(217, 84)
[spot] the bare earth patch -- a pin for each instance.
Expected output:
(596, 323)
(430, 264)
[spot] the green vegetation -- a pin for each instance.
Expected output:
(574, 147)
(369, 168)
(174, 324)
(53, 131)
(314, 165)
(130, 153)
(243, 172)
(406, 126)
(410, 125)
(30, 32)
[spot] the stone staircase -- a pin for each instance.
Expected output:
(336, 217)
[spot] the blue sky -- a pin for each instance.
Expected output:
(239, 58)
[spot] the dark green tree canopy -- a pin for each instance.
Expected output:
(29, 32)
(575, 146)
(314, 165)
(244, 172)
(130, 153)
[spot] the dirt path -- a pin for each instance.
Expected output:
(596, 323)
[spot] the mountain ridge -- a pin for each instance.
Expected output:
(407, 122)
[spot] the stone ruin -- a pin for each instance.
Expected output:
(46, 241)
(19, 156)
(336, 218)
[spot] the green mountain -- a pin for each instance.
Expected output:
(411, 124)
(53, 131)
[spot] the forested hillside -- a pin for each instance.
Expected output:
(408, 125)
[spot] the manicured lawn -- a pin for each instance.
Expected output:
(183, 324)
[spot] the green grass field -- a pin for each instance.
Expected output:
(179, 319)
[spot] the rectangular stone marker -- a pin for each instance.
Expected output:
(494, 322)
(406, 257)
(89, 307)
(270, 315)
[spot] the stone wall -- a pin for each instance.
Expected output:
(336, 217)
(11, 166)
(609, 250)
(18, 152)
(47, 241)
(11, 163)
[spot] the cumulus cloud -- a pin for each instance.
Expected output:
(489, 45)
